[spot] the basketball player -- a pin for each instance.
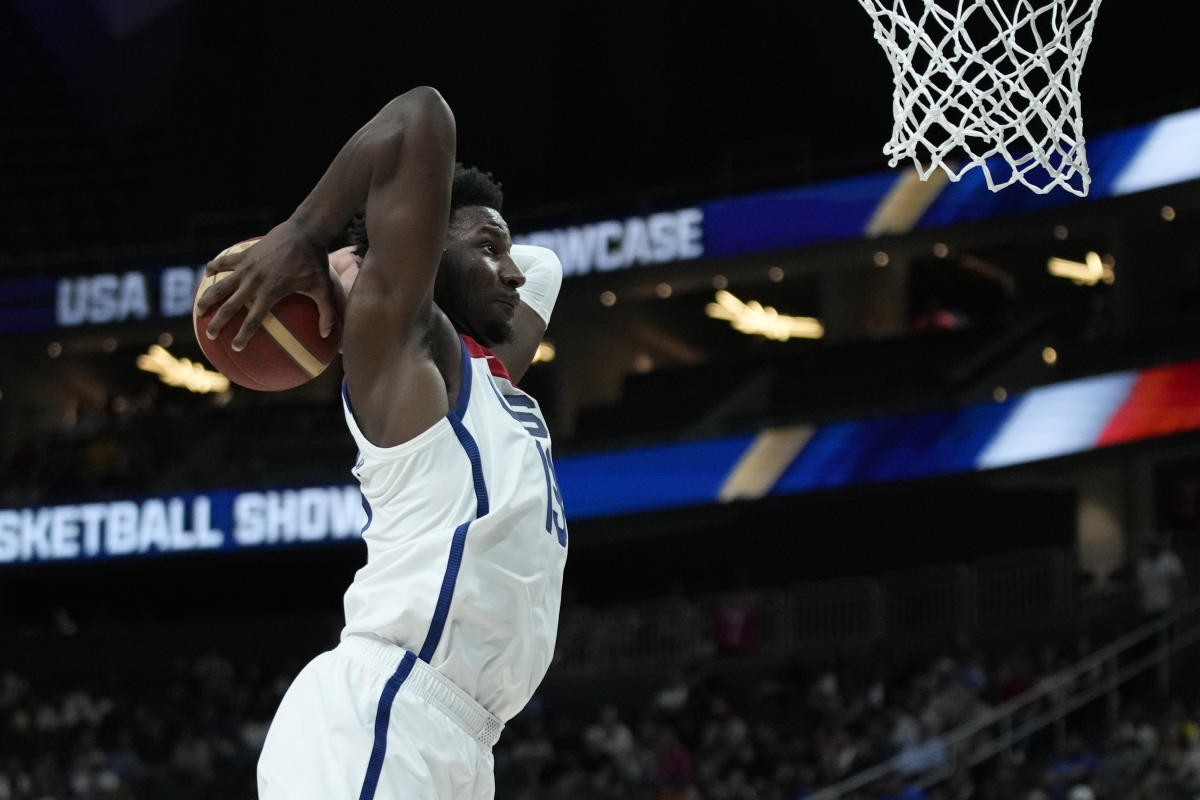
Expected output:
(450, 625)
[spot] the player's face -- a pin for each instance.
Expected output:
(483, 289)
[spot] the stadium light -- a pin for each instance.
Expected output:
(181, 371)
(1090, 272)
(545, 352)
(755, 318)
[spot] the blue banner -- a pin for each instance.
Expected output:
(34, 305)
(1134, 159)
(221, 520)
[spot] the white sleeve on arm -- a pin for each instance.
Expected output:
(543, 278)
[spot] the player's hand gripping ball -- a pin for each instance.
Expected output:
(287, 351)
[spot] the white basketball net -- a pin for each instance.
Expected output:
(991, 84)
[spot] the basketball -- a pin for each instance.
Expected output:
(286, 352)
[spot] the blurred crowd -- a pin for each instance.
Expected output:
(151, 440)
(101, 450)
(192, 731)
(708, 731)
(786, 736)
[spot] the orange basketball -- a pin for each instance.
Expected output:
(284, 353)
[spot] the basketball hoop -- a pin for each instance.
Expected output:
(991, 84)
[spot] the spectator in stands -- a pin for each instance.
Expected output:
(1160, 578)
(674, 768)
(929, 752)
(737, 621)
(611, 738)
(672, 698)
(1075, 765)
(906, 725)
(896, 789)
(951, 703)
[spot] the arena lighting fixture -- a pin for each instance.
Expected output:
(545, 352)
(1089, 273)
(755, 318)
(181, 372)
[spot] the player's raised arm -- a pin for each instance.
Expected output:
(400, 165)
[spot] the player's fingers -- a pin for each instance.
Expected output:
(326, 304)
(232, 304)
(216, 293)
(224, 262)
(254, 317)
(328, 313)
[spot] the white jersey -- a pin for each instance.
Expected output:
(466, 540)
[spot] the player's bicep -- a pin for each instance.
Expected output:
(407, 212)
(408, 205)
(517, 354)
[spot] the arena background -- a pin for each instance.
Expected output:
(784, 554)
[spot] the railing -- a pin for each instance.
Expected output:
(997, 597)
(1046, 704)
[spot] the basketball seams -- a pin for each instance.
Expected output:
(232, 365)
(293, 346)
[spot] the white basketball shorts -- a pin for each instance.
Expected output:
(370, 720)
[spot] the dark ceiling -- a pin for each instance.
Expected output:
(141, 121)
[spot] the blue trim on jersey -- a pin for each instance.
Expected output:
(442, 611)
(464, 386)
(468, 442)
(382, 713)
(549, 487)
(459, 542)
(366, 508)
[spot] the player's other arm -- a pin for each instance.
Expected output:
(543, 278)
